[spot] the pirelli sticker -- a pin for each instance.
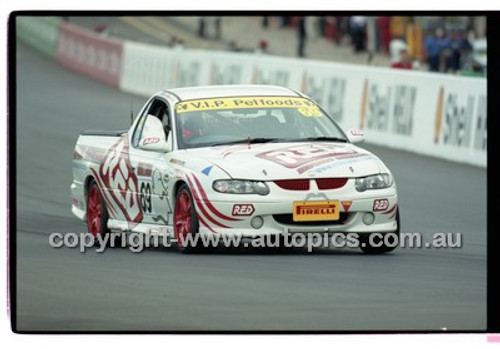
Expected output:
(311, 211)
(302, 105)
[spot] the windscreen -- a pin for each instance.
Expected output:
(219, 121)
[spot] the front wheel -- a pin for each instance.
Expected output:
(186, 223)
(383, 245)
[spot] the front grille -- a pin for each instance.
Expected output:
(304, 184)
(287, 219)
(293, 184)
(330, 183)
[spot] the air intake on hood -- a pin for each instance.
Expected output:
(330, 183)
(293, 184)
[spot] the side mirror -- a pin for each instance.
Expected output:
(153, 136)
(356, 136)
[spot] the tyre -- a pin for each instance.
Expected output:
(97, 214)
(186, 223)
(383, 248)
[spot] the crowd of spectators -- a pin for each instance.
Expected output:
(438, 44)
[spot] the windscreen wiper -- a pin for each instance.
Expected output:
(247, 140)
(324, 138)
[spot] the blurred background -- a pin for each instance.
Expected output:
(445, 44)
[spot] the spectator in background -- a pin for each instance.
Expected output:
(383, 25)
(265, 22)
(371, 35)
(445, 51)
(395, 47)
(312, 27)
(284, 21)
(404, 61)
(397, 26)
(342, 28)
(263, 45)
(301, 32)
(201, 26)
(432, 51)
(209, 27)
(217, 27)
(457, 43)
(358, 25)
(466, 51)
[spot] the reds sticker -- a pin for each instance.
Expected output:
(150, 140)
(296, 156)
(243, 209)
(380, 204)
(119, 178)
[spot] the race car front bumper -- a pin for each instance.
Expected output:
(272, 218)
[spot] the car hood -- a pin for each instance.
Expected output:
(275, 161)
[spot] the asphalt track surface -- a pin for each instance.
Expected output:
(163, 290)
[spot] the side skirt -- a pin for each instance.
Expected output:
(142, 228)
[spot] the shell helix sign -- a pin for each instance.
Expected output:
(460, 120)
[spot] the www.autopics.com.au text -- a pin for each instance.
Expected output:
(137, 242)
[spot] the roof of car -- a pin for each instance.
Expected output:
(215, 91)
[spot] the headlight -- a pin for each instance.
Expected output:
(379, 181)
(237, 186)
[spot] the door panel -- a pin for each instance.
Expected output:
(150, 168)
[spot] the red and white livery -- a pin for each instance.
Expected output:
(242, 159)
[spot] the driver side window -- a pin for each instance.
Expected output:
(158, 109)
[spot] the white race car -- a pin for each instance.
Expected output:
(251, 160)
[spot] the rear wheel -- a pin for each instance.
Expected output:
(97, 214)
(186, 223)
(379, 245)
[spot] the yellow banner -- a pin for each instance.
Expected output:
(304, 106)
